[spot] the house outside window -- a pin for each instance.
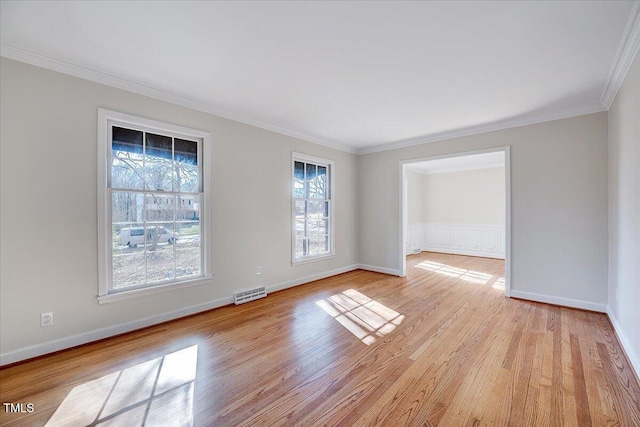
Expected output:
(153, 206)
(312, 208)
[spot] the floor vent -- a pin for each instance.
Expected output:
(250, 295)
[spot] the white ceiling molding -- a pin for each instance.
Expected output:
(12, 51)
(17, 53)
(626, 53)
(348, 111)
(483, 128)
(458, 169)
(487, 160)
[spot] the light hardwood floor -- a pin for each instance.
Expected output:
(440, 347)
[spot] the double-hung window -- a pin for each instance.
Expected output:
(313, 208)
(153, 206)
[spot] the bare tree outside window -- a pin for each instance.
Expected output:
(156, 199)
(312, 209)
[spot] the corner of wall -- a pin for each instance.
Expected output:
(632, 356)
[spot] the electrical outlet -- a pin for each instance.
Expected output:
(46, 319)
(259, 270)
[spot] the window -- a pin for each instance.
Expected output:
(313, 226)
(153, 232)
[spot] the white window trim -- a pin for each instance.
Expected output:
(105, 119)
(332, 196)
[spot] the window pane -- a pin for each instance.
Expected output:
(324, 244)
(159, 170)
(188, 249)
(187, 208)
(186, 173)
(126, 141)
(159, 207)
(185, 178)
(128, 254)
(126, 159)
(309, 178)
(315, 210)
(160, 261)
(298, 179)
(186, 151)
(320, 183)
(300, 221)
(129, 235)
(187, 231)
(314, 246)
(159, 175)
(126, 207)
(128, 268)
(322, 227)
(126, 171)
(159, 147)
(188, 261)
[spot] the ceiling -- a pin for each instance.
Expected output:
(459, 163)
(359, 76)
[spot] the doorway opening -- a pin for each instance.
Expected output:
(488, 236)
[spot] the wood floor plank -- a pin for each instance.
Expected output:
(442, 346)
(567, 391)
(594, 378)
(468, 406)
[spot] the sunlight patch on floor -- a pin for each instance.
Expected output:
(362, 316)
(498, 284)
(460, 273)
(156, 392)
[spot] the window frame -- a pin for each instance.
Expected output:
(330, 165)
(106, 120)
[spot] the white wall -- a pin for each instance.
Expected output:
(48, 210)
(48, 186)
(465, 197)
(559, 206)
(624, 213)
(414, 197)
(461, 212)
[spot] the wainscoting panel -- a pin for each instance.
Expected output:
(463, 239)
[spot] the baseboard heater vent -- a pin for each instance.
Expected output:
(250, 295)
(417, 251)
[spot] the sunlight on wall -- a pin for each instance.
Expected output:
(156, 392)
(466, 275)
(363, 317)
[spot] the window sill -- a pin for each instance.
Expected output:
(313, 259)
(118, 296)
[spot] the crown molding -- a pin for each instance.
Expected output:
(455, 169)
(18, 53)
(625, 55)
(483, 128)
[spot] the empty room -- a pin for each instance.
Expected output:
(241, 213)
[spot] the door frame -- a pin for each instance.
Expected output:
(507, 226)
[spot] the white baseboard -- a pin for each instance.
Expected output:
(110, 331)
(377, 269)
(106, 332)
(566, 302)
(307, 279)
(463, 252)
(625, 343)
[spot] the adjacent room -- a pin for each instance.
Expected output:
(457, 205)
(241, 213)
